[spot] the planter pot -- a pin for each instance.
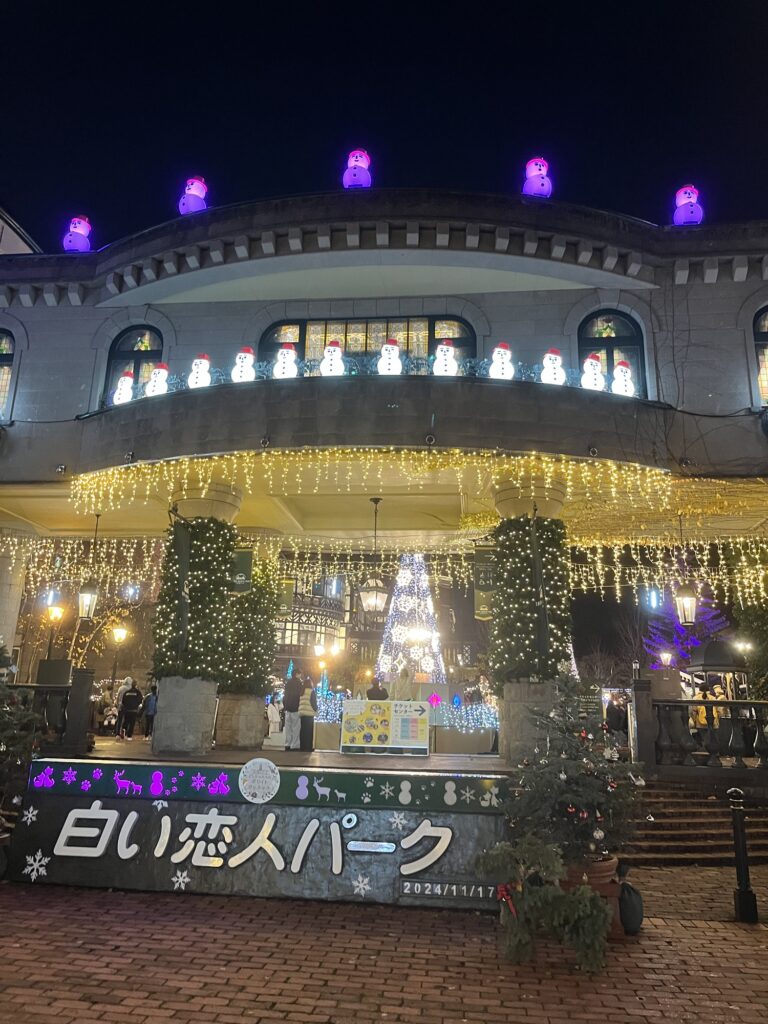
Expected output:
(186, 709)
(599, 876)
(240, 721)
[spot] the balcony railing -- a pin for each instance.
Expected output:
(712, 733)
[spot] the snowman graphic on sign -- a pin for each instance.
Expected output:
(445, 359)
(622, 379)
(200, 374)
(193, 197)
(687, 208)
(243, 369)
(592, 378)
(501, 363)
(536, 181)
(285, 363)
(552, 367)
(158, 381)
(76, 239)
(390, 363)
(124, 390)
(332, 363)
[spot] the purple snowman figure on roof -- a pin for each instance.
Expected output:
(76, 239)
(536, 181)
(687, 207)
(357, 174)
(193, 198)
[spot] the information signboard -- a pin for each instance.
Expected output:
(385, 727)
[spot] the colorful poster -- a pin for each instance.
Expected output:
(385, 727)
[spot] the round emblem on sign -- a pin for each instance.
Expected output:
(259, 780)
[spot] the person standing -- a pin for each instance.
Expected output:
(291, 698)
(124, 688)
(149, 707)
(377, 692)
(130, 708)
(307, 712)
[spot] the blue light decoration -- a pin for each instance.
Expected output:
(193, 197)
(653, 598)
(468, 718)
(76, 239)
(290, 671)
(357, 174)
(537, 183)
(411, 637)
(687, 207)
(456, 700)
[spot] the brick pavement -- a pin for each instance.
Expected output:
(75, 955)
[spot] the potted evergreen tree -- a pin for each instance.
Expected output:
(251, 643)
(570, 809)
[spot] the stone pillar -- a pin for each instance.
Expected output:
(12, 573)
(217, 501)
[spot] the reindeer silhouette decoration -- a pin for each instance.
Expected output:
(321, 790)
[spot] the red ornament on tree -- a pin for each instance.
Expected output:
(570, 809)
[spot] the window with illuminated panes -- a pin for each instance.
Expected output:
(138, 349)
(614, 337)
(761, 351)
(6, 369)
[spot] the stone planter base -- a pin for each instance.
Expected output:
(185, 713)
(517, 733)
(240, 721)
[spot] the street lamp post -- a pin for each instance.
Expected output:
(119, 633)
(55, 614)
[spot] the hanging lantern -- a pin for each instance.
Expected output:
(87, 598)
(373, 596)
(685, 604)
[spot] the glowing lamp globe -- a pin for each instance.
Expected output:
(76, 239)
(687, 207)
(55, 613)
(373, 596)
(119, 633)
(666, 658)
(193, 197)
(685, 605)
(87, 598)
(537, 182)
(357, 174)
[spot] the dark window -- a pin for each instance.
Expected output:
(417, 336)
(139, 349)
(6, 368)
(761, 350)
(614, 337)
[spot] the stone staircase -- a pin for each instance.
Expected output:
(691, 826)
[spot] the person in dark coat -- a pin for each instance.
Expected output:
(307, 712)
(130, 707)
(291, 698)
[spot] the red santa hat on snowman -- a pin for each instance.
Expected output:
(623, 364)
(333, 344)
(202, 356)
(288, 346)
(553, 352)
(593, 357)
(127, 373)
(246, 350)
(503, 346)
(161, 366)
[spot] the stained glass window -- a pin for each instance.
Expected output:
(6, 369)
(138, 349)
(614, 337)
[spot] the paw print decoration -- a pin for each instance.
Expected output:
(368, 782)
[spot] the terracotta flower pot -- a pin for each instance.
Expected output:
(599, 876)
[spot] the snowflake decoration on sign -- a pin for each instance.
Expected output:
(29, 815)
(159, 804)
(36, 866)
(198, 781)
(181, 880)
(69, 776)
(387, 791)
(467, 795)
(97, 773)
(361, 885)
(397, 821)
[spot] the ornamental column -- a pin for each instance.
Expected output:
(216, 501)
(531, 621)
(13, 570)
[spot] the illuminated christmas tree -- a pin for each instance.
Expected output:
(666, 633)
(411, 638)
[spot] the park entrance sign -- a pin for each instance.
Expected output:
(386, 837)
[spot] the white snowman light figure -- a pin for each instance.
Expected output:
(622, 379)
(193, 197)
(357, 174)
(76, 239)
(332, 363)
(390, 364)
(501, 363)
(243, 369)
(552, 367)
(445, 364)
(200, 374)
(124, 390)
(592, 378)
(687, 208)
(158, 381)
(285, 364)
(536, 181)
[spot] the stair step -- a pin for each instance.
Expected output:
(670, 859)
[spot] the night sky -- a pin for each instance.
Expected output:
(108, 108)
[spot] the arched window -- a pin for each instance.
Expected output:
(614, 337)
(6, 369)
(137, 349)
(761, 350)
(417, 336)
